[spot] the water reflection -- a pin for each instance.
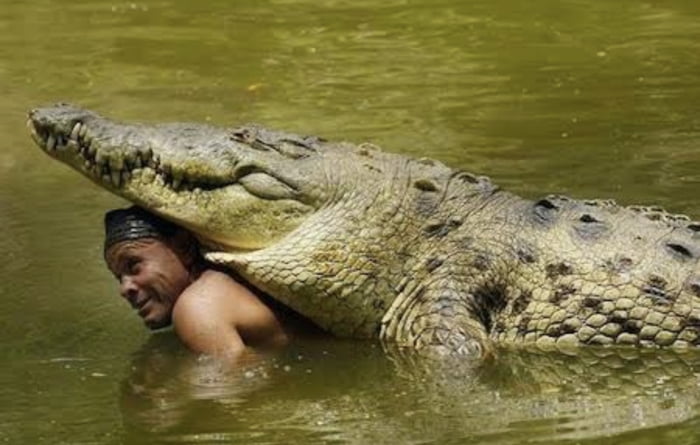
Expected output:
(167, 386)
(592, 99)
(311, 393)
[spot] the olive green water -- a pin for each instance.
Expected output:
(587, 98)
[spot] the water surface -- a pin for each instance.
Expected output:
(591, 99)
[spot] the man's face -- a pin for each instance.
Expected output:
(151, 276)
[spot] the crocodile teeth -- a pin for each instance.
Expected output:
(76, 131)
(149, 175)
(100, 158)
(177, 178)
(130, 157)
(72, 143)
(116, 162)
(35, 136)
(51, 143)
(116, 178)
(159, 180)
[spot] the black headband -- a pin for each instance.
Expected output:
(134, 223)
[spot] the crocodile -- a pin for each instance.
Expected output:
(372, 244)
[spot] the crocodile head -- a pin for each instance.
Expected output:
(192, 174)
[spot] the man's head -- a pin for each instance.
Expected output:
(153, 259)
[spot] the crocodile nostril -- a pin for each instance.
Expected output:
(694, 286)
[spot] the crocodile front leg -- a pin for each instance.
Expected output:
(443, 317)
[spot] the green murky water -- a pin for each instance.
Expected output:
(592, 99)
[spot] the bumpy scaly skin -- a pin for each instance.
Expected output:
(373, 244)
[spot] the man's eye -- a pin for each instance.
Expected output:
(132, 266)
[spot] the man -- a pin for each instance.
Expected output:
(165, 279)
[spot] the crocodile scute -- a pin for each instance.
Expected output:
(372, 244)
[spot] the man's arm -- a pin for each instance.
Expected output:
(217, 316)
(202, 321)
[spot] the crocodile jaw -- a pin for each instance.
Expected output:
(190, 174)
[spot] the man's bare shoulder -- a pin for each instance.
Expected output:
(205, 316)
(213, 283)
(217, 298)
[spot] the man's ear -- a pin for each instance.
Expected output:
(185, 244)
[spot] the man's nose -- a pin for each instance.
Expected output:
(128, 289)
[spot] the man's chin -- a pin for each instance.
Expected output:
(155, 324)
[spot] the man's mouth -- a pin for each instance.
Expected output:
(143, 309)
(139, 303)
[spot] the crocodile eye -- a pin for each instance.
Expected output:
(265, 186)
(680, 250)
(586, 218)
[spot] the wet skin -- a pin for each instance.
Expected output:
(211, 313)
(151, 277)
